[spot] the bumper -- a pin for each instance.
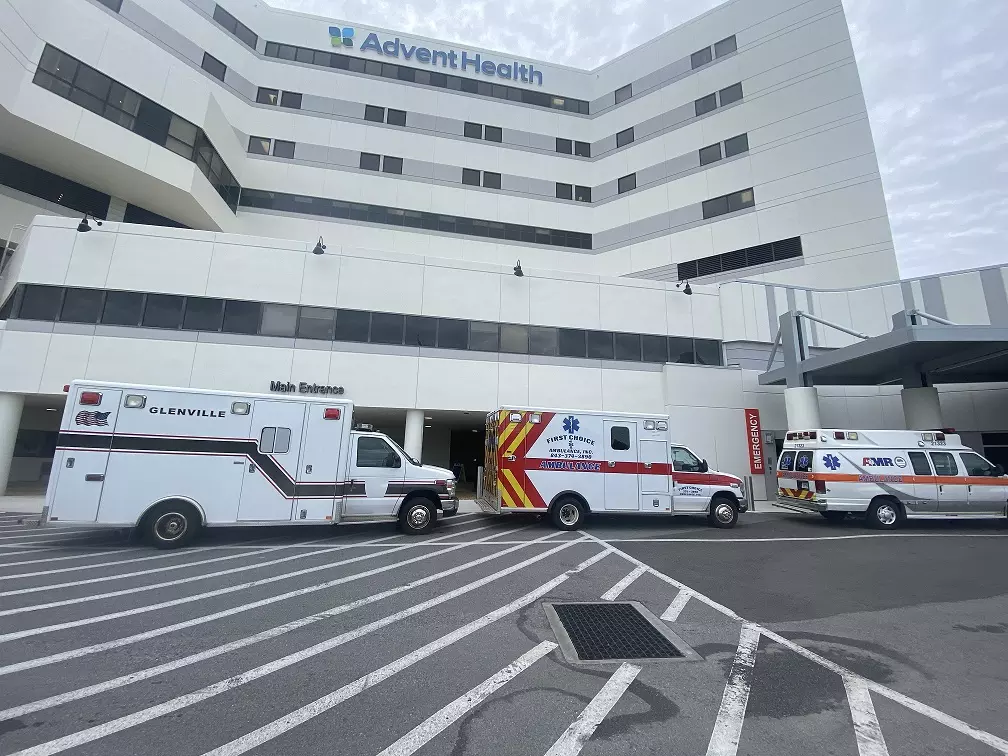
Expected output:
(450, 505)
(805, 505)
(743, 505)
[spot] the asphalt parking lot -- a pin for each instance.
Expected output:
(809, 638)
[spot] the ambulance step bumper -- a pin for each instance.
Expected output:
(800, 505)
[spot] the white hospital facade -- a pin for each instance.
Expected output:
(221, 144)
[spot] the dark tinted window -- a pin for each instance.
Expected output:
(81, 306)
(543, 341)
(619, 438)
(316, 323)
(976, 465)
(741, 200)
(582, 149)
(730, 94)
(715, 207)
(514, 338)
(279, 320)
(787, 461)
(803, 461)
(115, 5)
(920, 463)
(291, 100)
(483, 337)
(944, 463)
(40, 302)
(725, 47)
(470, 177)
(710, 154)
(396, 117)
(369, 161)
(564, 191)
(304, 55)
(246, 35)
(282, 149)
(453, 334)
(654, 348)
(421, 331)
(627, 347)
(241, 317)
(701, 58)
(491, 180)
(624, 137)
(708, 352)
(624, 93)
(373, 451)
(680, 350)
(203, 314)
(352, 325)
(736, 145)
(259, 146)
(493, 134)
(392, 164)
(213, 66)
(374, 113)
(582, 193)
(474, 130)
(224, 18)
(163, 311)
(122, 308)
(387, 328)
(565, 146)
(627, 183)
(599, 345)
(706, 104)
(572, 342)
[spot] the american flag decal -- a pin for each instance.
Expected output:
(92, 418)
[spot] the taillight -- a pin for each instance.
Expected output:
(839, 435)
(90, 397)
(331, 413)
(820, 486)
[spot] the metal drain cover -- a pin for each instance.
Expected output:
(614, 631)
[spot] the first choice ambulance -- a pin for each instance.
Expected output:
(888, 476)
(171, 461)
(570, 463)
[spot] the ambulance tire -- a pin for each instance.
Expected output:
(884, 513)
(568, 513)
(417, 515)
(171, 524)
(723, 512)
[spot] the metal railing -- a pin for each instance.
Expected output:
(828, 324)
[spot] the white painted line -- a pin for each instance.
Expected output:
(50, 532)
(437, 723)
(324, 704)
(272, 730)
(678, 604)
(273, 632)
(51, 550)
(582, 728)
(728, 725)
(158, 631)
(614, 593)
(866, 725)
(78, 567)
(806, 538)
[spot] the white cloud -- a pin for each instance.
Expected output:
(932, 73)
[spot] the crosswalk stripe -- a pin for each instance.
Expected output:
(180, 702)
(614, 593)
(582, 728)
(728, 725)
(867, 730)
(438, 722)
(678, 604)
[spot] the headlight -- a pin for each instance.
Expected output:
(451, 487)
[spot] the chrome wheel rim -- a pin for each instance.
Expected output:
(171, 526)
(569, 514)
(724, 513)
(418, 517)
(886, 514)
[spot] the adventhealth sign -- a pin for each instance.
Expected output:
(466, 62)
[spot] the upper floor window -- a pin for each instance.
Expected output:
(374, 113)
(395, 117)
(624, 137)
(725, 47)
(624, 93)
(701, 58)
(473, 130)
(564, 146)
(493, 133)
(291, 100)
(213, 66)
(627, 183)
(582, 149)
(267, 96)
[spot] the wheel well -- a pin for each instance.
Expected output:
(888, 497)
(421, 493)
(725, 495)
(181, 500)
(573, 495)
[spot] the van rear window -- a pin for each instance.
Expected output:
(803, 463)
(786, 461)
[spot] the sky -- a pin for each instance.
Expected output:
(934, 74)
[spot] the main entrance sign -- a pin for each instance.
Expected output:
(303, 387)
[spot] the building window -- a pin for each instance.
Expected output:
(701, 58)
(113, 5)
(571, 342)
(627, 347)
(213, 66)
(421, 331)
(514, 339)
(53, 188)
(564, 191)
(40, 302)
(564, 146)
(122, 308)
(267, 96)
(582, 149)
(163, 311)
(470, 177)
(493, 134)
(279, 320)
(627, 183)
(715, 207)
(81, 306)
(654, 348)
(231, 24)
(473, 130)
(353, 325)
(599, 345)
(707, 352)
(369, 161)
(241, 317)
(740, 200)
(202, 314)
(374, 113)
(483, 337)
(282, 149)
(491, 180)
(725, 47)
(387, 328)
(731, 94)
(706, 104)
(392, 165)
(736, 145)
(624, 93)
(624, 137)
(396, 117)
(259, 146)
(291, 100)
(452, 334)
(680, 350)
(710, 154)
(582, 193)
(543, 341)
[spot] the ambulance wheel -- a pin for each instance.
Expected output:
(568, 513)
(723, 512)
(884, 514)
(417, 516)
(834, 516)
(171, 524)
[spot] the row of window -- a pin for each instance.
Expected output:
(285, 99)
(471, 177)
(711, 102)
(728, 203)
(386, 164)
(944, 463)
(236, 27)
(261, 146)
(568, 147)
(761, 254)
(172, 312)
(391, 116)
(78, 82)
(393, 216)
(725, 47)
(579, 193)
(479, 131)
(732, 147)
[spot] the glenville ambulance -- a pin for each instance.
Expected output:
(571, 463)
(171, 461)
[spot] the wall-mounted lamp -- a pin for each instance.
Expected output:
(83, 227)
(685, 289)
(518, 271)
(319, 247)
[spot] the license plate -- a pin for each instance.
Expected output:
(803, 485)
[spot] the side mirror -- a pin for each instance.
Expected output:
(999, 470)
(704, 467)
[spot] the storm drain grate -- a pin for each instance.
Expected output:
(614, 630)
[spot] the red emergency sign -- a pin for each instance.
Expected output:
(754, 439)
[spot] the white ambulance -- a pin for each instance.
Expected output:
(888, 476)
(571, 463)
(171, 461)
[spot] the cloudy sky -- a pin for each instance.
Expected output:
(935, 75)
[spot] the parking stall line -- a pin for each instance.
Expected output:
(438, 722)
(52, 550)
(49, 533)
(867, 731)
(728, 725)
(305, 713)
(94, 565)
(158, 631)
(678, 604)
(274, 632)
(582, 728)
(614, 593)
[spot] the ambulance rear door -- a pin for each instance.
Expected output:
(490, 495)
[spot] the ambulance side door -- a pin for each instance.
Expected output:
(925, 487)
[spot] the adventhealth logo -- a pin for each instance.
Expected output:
(341, 36)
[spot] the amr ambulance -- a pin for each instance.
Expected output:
(569, 464)
(171, 461)
(888, 476)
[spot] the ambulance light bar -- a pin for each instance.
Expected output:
(535, 417)
(240, 408)
(91, 398)
(331, 413)
(135, 401)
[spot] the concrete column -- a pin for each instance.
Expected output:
(10, 420)
(414, 433)
(802, 406)
(921, 408)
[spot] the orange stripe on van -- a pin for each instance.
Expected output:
(946, 480)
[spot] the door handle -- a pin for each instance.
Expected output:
(511, 458)
(940, 488)
(238, 462)
(647, 465)
(94, 478)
